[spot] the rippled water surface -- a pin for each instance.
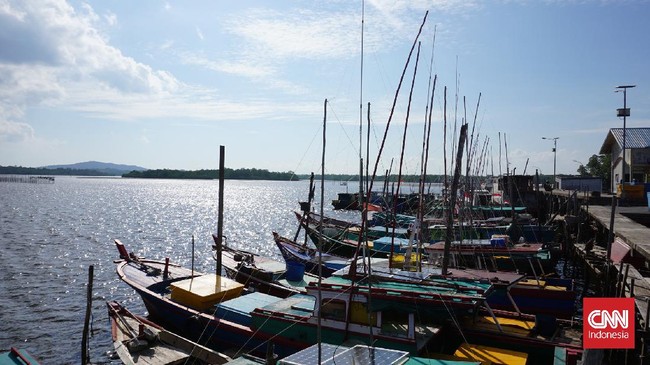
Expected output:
(51, 233)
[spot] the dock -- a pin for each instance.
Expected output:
(618, 261)
(32, 179)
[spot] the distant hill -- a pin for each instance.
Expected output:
(103, 167)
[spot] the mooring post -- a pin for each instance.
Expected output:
(644, 341)
(89, 301)
(219, 243)
(624, 282)
(610, 240)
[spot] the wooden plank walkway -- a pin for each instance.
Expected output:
(636, 235)
(636, 285)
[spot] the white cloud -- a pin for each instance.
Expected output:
(75, 49)
(258, 71)
(299, 34)
(15, 131)
(167, 44)
(59, 50)
(64, 59)
(269, 39)
(21, 87)
(111, 18)
(7, 9)
(230, 67)
(144, 139)
(188, 105)
(401, 6)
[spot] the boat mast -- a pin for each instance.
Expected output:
(445, 192)
(320, 236)
(452, 198)
(352, 272)
(401, 158)
(425, 160)
(361, 199)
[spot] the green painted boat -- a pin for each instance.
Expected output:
(296, 319)
(15, 356)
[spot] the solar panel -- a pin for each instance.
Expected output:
(358, 355)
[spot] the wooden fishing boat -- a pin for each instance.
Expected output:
(388, 219)
(346, 201)
(539, 336)
(433, 301)
(511, 291)
(341, 238)
(486, 222)
(216, 311)
(140, 341)
(543, 295)
(298, 318)
(310, 257)
(184, 302)
(493, 254)
(15, 356)
(264, 274)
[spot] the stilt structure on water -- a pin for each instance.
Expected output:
(27, 179)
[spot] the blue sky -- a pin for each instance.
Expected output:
(162, 84)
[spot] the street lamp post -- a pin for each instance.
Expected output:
(581, 165)
(554, 155)
(625, 112)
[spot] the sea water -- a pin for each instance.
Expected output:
(51, 233)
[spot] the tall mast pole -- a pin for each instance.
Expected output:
(361, 110)
(320, 235)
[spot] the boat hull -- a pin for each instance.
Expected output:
(204, 328)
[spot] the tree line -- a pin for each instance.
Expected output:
(597, 166)
(234, 174)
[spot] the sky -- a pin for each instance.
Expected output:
(163, 84)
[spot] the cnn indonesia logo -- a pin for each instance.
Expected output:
(609, 323)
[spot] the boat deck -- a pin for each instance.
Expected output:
(441, 286)
(154, 270)
(161, 353)
(298, 305)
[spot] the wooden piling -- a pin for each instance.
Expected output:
(219, 243)
(85, 356)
